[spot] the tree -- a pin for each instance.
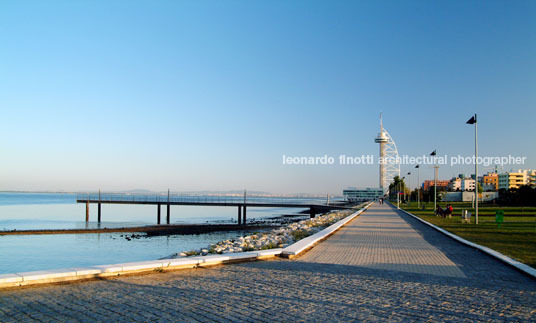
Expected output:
(396, 186)
(523, 196)
(428, 195)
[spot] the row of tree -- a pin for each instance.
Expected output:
(522, 196)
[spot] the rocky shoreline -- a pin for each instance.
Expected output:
(276, 238)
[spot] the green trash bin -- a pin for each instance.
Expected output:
(499, 217)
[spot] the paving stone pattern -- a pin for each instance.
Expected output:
(382, 266)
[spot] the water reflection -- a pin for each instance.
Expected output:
(39, 252)
(21, 253)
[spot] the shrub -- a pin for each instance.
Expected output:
(299, 234)
(269, 246)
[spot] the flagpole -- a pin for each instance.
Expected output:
(476, 171)
(435, 181)
(398, 194)
(418, 187)
(474, 121)
(409, 186)
(435, 188)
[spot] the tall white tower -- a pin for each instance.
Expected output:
(389, 167)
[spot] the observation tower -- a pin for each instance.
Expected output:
(389, 168)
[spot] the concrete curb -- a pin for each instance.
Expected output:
(307, 243)
(507, 260)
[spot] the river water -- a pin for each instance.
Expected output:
(21, 253)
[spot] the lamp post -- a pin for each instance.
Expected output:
(409, 187)
(435, 182)
(473, 121)
(403, 178)
(418, 187)
(398, 194)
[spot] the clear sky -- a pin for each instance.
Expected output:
(208, 95)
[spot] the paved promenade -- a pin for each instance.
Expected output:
(383, 265)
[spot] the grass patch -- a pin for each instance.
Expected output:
(515, 238)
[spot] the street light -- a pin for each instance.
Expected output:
(473, 121)
(398, 192)
(433, 153)
(409, 187)
(418, 187)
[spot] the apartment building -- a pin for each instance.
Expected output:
(515, 179)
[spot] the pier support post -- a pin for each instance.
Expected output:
(239, 215)
(168, 211)
(312, 213)
(99, 212)
(158, 214)
(87, 211)
(244, 216)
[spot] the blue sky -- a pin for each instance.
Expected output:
(208, 95)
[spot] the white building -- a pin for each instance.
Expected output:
(455, 184)
(461, 184)
(467, 184)
(362, 195)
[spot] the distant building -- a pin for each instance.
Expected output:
(441, 185)
(362, 195)
(455, 184)
(468, 184)
(490, 182)
(516, 179)
(461, 183)
(531, 177)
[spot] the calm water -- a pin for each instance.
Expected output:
(60, 211)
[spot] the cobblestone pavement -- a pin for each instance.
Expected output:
(383, 240)
(456, 283)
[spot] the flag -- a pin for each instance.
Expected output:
(433, 153)
(472, 120)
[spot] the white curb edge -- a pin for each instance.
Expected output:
(80, 273)
(509, 261)
(306, 243)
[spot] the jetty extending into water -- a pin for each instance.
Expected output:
(315, 205)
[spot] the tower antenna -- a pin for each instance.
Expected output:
(381, 122)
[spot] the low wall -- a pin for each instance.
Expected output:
(470, 196)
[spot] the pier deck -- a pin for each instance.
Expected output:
(382, 266)
(315, 205)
